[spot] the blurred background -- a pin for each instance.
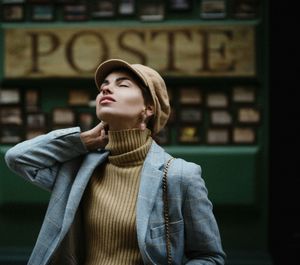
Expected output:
(214, 57)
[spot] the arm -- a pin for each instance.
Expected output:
(203, 242)
(39, 159)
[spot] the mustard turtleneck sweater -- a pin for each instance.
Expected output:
(110, 201)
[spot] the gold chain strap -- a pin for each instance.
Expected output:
(166, 209)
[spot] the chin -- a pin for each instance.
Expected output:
(105, 116)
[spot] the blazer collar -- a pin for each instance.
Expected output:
(90, 162)
(151, 177)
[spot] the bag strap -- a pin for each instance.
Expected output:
(166, 209)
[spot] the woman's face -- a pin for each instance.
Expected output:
(120, 102)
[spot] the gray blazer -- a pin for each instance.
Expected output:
(59, 162)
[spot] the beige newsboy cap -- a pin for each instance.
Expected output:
(151, 79)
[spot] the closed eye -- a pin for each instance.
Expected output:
(123, 81)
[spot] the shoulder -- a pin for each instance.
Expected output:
(187, 167)
(188, 172)
(179, 168)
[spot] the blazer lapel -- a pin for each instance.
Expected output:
(151, 177)
(91, 161)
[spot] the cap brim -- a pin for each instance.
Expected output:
(108, 66)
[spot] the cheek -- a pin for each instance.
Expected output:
(135, 100)
(134, 106)
(97, 103)
(98, 98)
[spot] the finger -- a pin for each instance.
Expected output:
(103, 134)
(104, 125)
(101, 124)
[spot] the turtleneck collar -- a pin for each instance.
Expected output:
(128, 147)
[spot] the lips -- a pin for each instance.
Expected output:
(106, 99)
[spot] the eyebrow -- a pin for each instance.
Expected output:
(123, 78)
(117, 80)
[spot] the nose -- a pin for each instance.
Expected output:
(106, 89)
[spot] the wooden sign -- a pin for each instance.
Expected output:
(172, 50)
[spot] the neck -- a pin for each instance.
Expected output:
(123, 124)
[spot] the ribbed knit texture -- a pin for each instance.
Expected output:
(110, 201)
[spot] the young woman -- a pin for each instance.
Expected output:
(107, 203)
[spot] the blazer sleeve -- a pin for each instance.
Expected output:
(38, 160)
(203, 242)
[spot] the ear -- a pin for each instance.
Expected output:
(149, 111)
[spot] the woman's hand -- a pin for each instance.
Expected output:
(96, 137)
